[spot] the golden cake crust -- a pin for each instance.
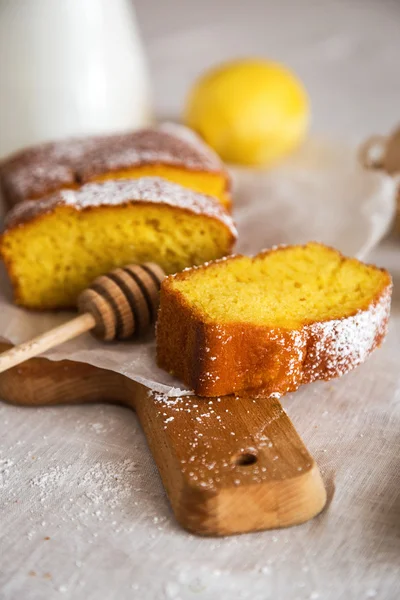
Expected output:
(219, 359)
(41, 170)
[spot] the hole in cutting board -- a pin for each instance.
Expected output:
(245, 459)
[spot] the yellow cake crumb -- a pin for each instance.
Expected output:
(289, 288)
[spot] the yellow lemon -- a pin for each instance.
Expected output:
(252, 112)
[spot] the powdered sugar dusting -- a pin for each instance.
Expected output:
(200, 425)
(107, 481)
(40, 170)
(118, 192)
(190, 137)
(341, 344)
(168, 144)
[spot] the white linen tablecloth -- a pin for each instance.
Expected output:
(83, 512)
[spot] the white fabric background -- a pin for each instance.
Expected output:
(83, 476)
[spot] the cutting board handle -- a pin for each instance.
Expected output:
(231, 464)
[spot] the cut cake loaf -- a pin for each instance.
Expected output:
(54, 248)
(270, 323)
(170, 151)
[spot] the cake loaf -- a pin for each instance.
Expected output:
(54, 248)
(169, 151)
(268, 324)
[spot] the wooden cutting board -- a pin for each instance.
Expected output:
(229, 465)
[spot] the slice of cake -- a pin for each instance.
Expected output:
(288, 316)
(53, 248)
(169, 151)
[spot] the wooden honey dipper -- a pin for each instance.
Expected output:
(116, 306)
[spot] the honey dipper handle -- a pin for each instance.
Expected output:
(41, 343)
(118, 305)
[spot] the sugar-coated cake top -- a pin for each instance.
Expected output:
(123, 191)
(33, 172)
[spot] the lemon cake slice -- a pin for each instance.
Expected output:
(168, 150)
(53, 248)
(288, 316)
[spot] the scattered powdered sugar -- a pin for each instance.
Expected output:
(190, 137)
(202, 424)
(165, 398)
(45, 483)
(104, 482)
(124, 191)
(37, 171)
(167, 143)
(108, 482)
(341, 344)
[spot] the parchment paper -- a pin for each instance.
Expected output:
(320, 193)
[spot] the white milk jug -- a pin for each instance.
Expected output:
(69, 67)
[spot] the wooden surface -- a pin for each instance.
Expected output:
(229, 465)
